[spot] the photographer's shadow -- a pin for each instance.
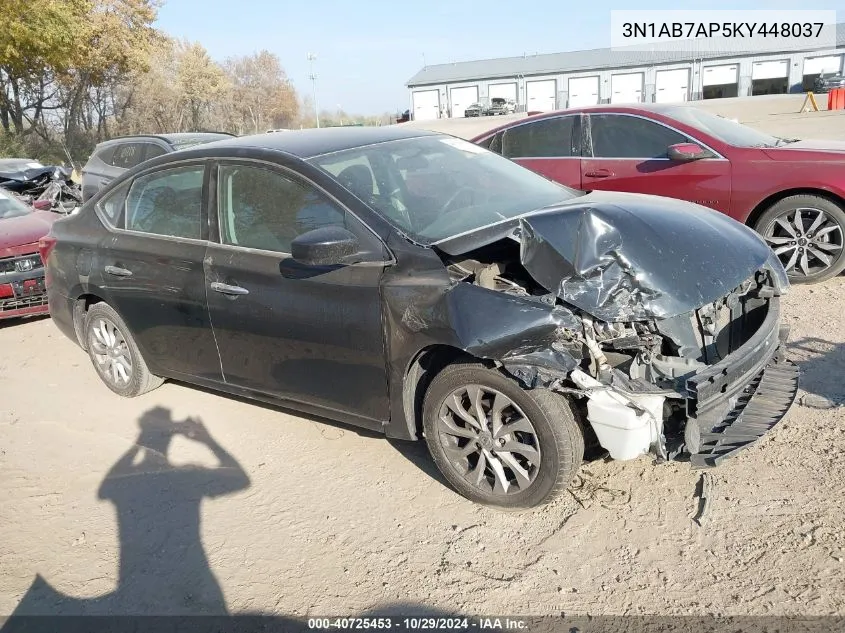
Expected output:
(163, 567)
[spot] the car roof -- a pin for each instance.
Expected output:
(315, 142)
(173, 138)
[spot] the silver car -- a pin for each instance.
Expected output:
(111, 158)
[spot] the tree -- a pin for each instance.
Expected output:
(37, 41)
(201, 83)
(262, 96)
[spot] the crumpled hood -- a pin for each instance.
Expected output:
(623, 257)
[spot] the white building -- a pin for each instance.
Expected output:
(683, 71)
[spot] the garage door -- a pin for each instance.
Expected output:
(770, 70)
(426, 105)
(720, 75)
(627, 88)
(583, 91)
(462, 98)
(815, 67)
(770, 78)
(719, 82)
(819, 65)
(671, 86)
(541, 96)
(503, 91)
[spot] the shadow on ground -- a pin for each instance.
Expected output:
(823, 372)
(163, 567)
(164, 573)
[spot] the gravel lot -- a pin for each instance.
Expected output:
(311, 517)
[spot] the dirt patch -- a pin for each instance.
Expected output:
(310, 517)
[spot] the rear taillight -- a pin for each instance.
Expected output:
(45, 246)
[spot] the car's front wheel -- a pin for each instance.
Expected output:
(806, 233)
(115, 354)
(496, 443)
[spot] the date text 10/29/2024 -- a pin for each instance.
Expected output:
(417, 624)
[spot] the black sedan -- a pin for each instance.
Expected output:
(420, 285)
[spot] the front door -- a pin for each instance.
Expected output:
(629, 153)
(310, 335)
(151, 269)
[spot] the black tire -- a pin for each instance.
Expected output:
(557, 435)
(108, 324)
(780, 238)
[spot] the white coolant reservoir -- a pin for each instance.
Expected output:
(625, 431)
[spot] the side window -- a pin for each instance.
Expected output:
(127, 155)
(111, 207)
(620, 136)
(152, 151)
(167, 202)
(264, 209)
(545, 138)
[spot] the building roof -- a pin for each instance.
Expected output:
(599, 59)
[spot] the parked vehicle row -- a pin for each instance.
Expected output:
(496, 106)
(428, 288)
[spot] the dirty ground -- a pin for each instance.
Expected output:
(310, 517)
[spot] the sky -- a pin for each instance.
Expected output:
(367, 50)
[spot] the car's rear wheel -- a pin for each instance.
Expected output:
(806, 233)
(115, 354)
(496, 443)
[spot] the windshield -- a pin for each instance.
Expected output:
(11, 208)
(436, 187)
(725, 130)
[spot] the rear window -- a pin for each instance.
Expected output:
(127, 155)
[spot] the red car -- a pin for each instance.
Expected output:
(790, 191)
(21, 269)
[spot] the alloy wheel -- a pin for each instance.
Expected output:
(110, 352)
(806, 240)
(488, 440)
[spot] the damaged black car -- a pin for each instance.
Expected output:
(421, 286)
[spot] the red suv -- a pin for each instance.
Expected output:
(790, 191)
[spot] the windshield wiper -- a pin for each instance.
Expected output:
(786, 141)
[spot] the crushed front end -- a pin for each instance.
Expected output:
(719, 369)
(662, 317)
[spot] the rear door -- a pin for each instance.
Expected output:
(629, 153)
(308, 334)
(151, 268)
(551, 147)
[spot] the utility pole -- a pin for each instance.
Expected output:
(311, 58)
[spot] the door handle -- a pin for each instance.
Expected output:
(226, 289)
(117, 271)
(599, 173)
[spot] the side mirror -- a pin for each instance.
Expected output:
(326, 246)
(687, 152)
(42, 205)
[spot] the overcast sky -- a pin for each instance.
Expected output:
(367, 50)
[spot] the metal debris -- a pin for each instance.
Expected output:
(705, 494)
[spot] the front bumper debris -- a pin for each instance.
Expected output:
(762, 404)
(739, 399)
